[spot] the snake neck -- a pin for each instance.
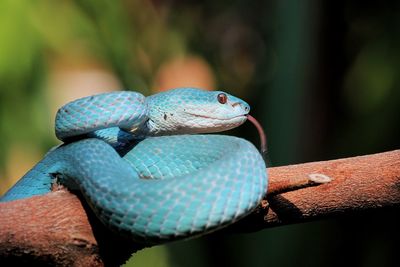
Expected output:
(154, 127)
(161, 120)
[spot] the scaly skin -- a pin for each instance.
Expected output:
(166, 187)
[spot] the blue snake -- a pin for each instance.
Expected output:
(142, 168)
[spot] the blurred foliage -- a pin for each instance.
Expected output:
(323, 77)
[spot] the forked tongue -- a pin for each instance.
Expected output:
(263, 139)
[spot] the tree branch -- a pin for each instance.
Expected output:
(357, 184)
(57, 229)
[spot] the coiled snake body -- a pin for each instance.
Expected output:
(141, 169)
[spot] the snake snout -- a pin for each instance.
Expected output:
(246, 107)
(241, 108)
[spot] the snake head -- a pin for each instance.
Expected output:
(191, 110)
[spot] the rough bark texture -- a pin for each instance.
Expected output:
(58, 230)
(357, 184)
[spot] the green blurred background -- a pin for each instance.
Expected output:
(322, 76)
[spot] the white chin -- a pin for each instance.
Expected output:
(232, 123)
(217, 125)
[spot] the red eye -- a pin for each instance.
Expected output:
(222, 98)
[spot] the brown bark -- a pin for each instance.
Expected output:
(357, 184)
(57, 229)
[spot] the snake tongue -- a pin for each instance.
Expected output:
(263, 138)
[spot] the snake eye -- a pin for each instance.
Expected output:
(222, 98)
